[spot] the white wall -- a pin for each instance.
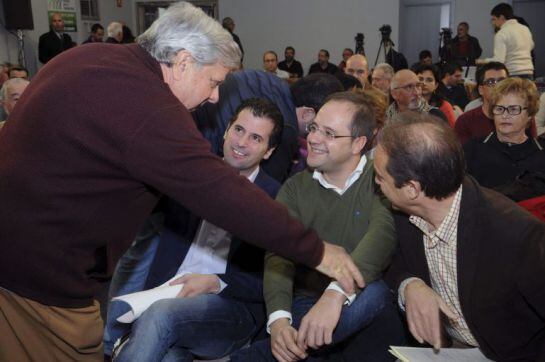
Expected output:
(308, 25)
(108, 12)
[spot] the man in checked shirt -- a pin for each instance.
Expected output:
(470, 267)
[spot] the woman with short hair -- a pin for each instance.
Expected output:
(508, 153)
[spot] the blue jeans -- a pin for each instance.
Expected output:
(180, 329)
(129, 276)
(368, 304)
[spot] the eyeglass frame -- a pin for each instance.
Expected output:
(491, 82)
(506, 108)
(332, 137)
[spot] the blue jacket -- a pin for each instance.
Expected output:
(244, 273)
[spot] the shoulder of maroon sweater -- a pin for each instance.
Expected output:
(469, 116)
(113, 89)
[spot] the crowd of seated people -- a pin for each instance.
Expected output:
(303, 316)
(295, 310)
(350, 151)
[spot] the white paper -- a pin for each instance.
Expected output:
(140, 301)
(415, 354)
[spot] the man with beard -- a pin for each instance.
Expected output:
(290, 65)
(406, 93)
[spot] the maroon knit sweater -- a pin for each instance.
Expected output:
(94, 141)
(473, 124)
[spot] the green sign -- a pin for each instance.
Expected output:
(69, 18)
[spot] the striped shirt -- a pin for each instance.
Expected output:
(440, 248)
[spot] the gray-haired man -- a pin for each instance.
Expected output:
(88, 162)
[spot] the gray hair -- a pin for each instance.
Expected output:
(186, 27)
(7, 84)
(386, 68)
(114, 28)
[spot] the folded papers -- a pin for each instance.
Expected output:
(140, 301)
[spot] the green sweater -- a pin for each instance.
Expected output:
(359, 220)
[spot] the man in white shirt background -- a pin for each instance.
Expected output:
(513, 43)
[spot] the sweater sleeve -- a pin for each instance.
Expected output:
(374, 252)
(279, 272)
(167, 153)
(500, 49)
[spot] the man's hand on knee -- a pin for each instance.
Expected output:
(197, 284)
(319, 323)
(284, 342)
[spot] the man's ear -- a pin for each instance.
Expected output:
(412, 190)
(305, 115)
(480, 89)
(308, 114)
(269, 153)
(180, 63)
(358, 144)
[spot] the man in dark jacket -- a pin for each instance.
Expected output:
(469, 267)
(55, 41)
(222, 276)
(464, 47)
(97, 34)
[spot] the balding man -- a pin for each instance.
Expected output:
(356, 66)
(470, 263)
(406, 90)
(55, 41)
(115, 33)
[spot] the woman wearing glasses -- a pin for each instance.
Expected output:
(508, 152)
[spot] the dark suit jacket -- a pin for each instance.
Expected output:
(455, 95)
(474, 51)
(501, 272)
(244, 273)
(51, 45)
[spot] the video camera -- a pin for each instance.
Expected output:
(385, 31)
(359, 43)
(446, 36)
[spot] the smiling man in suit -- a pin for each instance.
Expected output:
(220, 307)
(470, 264)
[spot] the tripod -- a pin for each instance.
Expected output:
(21, 45)
(383, 43)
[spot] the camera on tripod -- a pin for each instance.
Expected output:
(446, 36)
(445, 44)
(385, 32)
(359, 43)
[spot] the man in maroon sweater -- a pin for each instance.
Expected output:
(477, 123)
(84, 164)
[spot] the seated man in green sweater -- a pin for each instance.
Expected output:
(306, 309)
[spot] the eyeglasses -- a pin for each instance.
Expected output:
(513, 110)
(411, 87)
(491, 82)
(330, 135)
